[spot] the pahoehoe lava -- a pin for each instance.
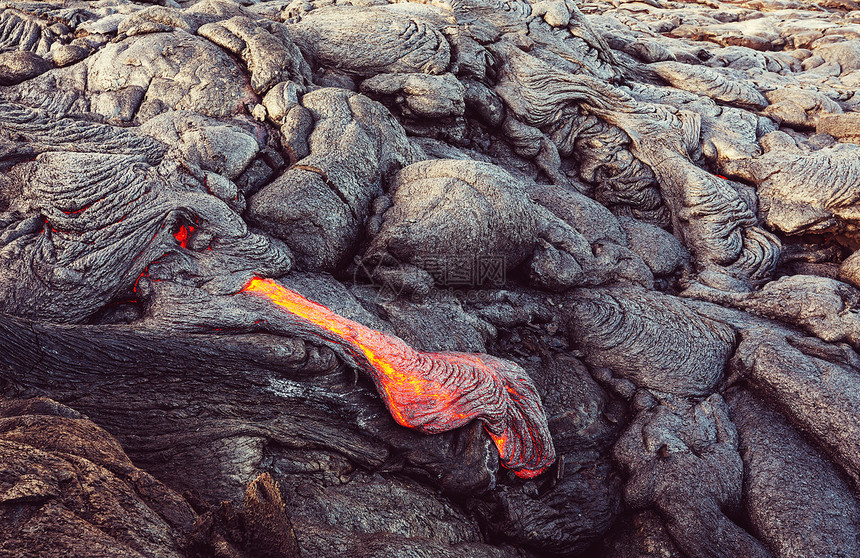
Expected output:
(436, 392)
(463, 278)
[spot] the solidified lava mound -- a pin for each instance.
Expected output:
(466, 278)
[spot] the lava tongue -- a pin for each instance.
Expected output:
(436, 392)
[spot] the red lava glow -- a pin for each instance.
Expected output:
(435, 392)
(183, 234)
(76, 211)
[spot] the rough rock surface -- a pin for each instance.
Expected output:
(589, 274)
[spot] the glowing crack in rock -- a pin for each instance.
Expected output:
(436, 392)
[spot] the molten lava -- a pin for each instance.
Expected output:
(435, 392)
(183, 234)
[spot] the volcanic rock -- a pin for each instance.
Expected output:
(489, 278)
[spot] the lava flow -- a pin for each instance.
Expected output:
(435, 392)
(183, 234)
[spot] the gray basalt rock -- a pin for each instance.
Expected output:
(79, 492)
(333, 36)
(650, 339)
(266, 47)
(252, 240)
(795, 373)
(800, 108)
(105, 203)
(482, 218)
(163, 71)
(22, 30)
(698, 444)
(226, 148)
(710, 82)
(820, 305)
(21, 65)
(588, 217)
(844, 127)
(718, 225)
(802, 191)
(448, 213)
(846, 55)
(141, 77)
(849, 270)
(639, 535)
(789, 482)
(157, 19)
(422, 95)
(660, 251)
(319, 205)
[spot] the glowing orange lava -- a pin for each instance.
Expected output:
(183, 234)
(436, 392)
